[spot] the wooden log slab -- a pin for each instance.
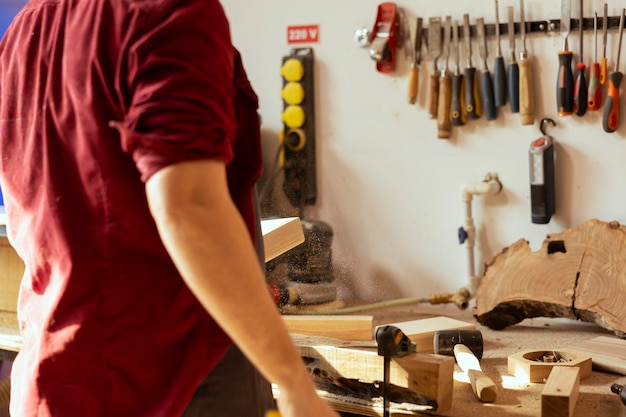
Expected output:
(577, 274)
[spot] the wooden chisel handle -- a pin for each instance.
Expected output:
(526, 93)
(434, 96)
(443, 109)
(483, 386)
(413, 84)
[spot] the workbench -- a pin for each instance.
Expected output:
(515, 398)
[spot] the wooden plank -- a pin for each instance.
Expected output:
(558, 398)
(281, 235)
(11, 271)
(608, 353)
(422, 331)
(426, 374)
(340, 327)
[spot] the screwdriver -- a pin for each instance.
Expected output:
(603, 62)
(457, 108)
(526, 81)
(443, 105)
(473, 109)
(610, 121)
(595, 91)
(486, 83)
(499, 73)
(513, 67)
(565, 79)
(580, 88)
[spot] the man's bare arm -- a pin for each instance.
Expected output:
(210, 245)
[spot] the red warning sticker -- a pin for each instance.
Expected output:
(303, 34)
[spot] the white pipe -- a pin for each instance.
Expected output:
(489, 186)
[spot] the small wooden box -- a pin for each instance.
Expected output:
(11, 271)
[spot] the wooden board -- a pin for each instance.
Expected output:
(428, 375)
(558, 398)
(280, 235)
(340, 327)
(422, 331)
(11, 271)
(608, 353)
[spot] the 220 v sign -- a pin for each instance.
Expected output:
(303, 34)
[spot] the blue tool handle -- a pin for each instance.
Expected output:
(499, 82)
(488, 100)
(513, 77)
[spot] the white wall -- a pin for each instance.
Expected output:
(388, 187)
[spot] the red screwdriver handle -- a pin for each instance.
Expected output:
(610, 121)
(594, 98)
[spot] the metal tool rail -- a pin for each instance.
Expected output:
(537, 26)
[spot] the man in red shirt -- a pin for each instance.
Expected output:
(129, 144)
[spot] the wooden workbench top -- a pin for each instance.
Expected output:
(517, 398)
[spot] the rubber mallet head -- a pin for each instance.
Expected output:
(445, 340)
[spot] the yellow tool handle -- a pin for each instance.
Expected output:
(413, 84)
(443, 109)
(272, 413)
(526, 94)
(434, 96)
(603, 71)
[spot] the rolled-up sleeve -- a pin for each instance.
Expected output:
(180, 80)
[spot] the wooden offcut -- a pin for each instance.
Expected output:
(428, 375)
(281, 235)
(11, 271)
(608, 353)
(530, 365)
(340, 327)
(576, 274)
(558, 398)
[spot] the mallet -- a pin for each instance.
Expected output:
(467, 348)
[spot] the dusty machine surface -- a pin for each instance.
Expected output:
(577, 274)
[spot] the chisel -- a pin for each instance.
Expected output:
(603, 61)
(473, 109)
(526, 81)
(513, 73)
(434, 51)
(499, 73)
(416, 59)
(443, 109)
(580, 88)
(409, 54)
(457, 108)
(565, 79)
(486, 83)
(594, 98)
(610, 121)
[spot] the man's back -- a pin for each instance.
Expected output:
(96, 96)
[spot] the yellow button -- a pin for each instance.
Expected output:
(293, 93)
(292, 70)
(293, 116)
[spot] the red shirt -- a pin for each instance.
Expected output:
(95, 97)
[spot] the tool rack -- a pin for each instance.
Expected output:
(538, 26)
